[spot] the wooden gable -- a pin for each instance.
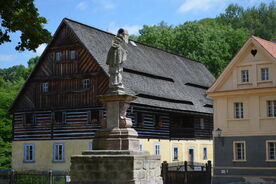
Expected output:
(251, 58)
(64, 78)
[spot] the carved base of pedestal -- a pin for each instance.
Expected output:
(116, 139)
(115, 167)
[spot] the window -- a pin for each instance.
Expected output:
(157, 148)
(139, 119)
(141, 146)
(238, 110)
(60, 117)
(271, 108)
(265, 74)
(239, 151)
(175, 153)
(29, 152)
(201, 123)
(58, 152)
(58, 56)
(30, 119)
(205, 153)
(45, 87)
(86, 83)
(271, 150)
(72, 54)
(90, 145)
(244, 76)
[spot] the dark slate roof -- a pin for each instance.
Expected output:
(157, 77)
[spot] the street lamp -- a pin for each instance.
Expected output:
(218, 130)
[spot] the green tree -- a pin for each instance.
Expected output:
(23, 16)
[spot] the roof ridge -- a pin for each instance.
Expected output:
(134, 41)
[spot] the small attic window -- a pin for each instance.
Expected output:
(254, 52)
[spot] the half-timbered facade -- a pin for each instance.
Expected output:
(57, 113)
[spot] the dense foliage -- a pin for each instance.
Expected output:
(23, 16)
(214, 42)
(11, 80)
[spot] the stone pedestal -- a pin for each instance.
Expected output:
(115, 167)
(116, 132)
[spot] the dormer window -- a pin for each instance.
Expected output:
(45, 87)
(244, 76)
(86, 83)
(72, 54)
(265, 74)
(58, 56)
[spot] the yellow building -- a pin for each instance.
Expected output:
(245, 116)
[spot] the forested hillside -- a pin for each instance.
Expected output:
(11, 80)
(211, 41)
(214, 42)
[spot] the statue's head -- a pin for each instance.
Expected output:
(123, 34)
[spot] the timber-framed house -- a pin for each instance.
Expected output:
(57, 113)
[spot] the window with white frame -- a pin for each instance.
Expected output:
(90, 145)
(29, 152)
(238, 110)
(271, 150)
(45, 87)
(141, 146)
(264, 74)
(72, 54)
(58, 152)
(205, 153)
(86, 83)
(271, 108)
(58, 56)
(239, 151)
(157, 148)
(244, 76)
(175, 153)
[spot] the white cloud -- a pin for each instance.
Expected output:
(132, 29)
(198, 5)
(82, 6)
(6, 57)
(41, 48)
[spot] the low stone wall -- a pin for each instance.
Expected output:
(115, 167)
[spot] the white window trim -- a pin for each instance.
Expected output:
(156, 151)
(86, 84)
(238, 110)
(54, 151)
(272, 108)
(45, 87)
(173, 159)
(60, 56)
(234, 151)
(25, 153)
(194, 154)
(266, 74)
(244, 76)
(267, 151)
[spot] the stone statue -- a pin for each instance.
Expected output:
(116, 56)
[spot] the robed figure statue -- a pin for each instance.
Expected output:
(116, 56)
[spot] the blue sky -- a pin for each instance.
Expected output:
(110, 15)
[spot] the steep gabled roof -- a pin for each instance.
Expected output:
(159, 78)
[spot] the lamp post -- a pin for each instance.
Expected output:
(218, 131)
